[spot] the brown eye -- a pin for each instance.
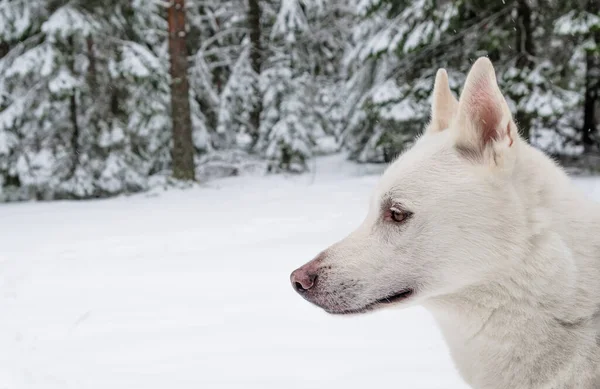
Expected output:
(398, 215)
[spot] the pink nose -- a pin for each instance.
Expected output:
(302, 280)
(305, 277)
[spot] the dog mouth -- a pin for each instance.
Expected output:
(400, 296)
(388, 300)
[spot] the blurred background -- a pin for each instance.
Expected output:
(232, 141)
(102, 97)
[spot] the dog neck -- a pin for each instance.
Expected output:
(498, 338)
(537, 324)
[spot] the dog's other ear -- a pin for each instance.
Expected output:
(484, 124)
(444, 104)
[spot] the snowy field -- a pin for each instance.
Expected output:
(190, 289)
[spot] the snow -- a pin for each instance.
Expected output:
(4, 143)
(190, 289)
(110, 178)
(67, 21)
(19, 17)
(36, 168)
(81, 183)
(290, 19)
(574, 23)
(9, 115)
(419, 36)
(402, 111)
(27, 63)
(64, 82)
(138, 61)
(387, 91)
(325, 145)
(364, 6)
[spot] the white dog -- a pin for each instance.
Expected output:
(490, 236)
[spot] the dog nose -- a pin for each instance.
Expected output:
(303, 279)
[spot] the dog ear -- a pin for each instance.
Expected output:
(484, 122)
(444, 104)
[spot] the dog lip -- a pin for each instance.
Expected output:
(393, 298)
(402, 295)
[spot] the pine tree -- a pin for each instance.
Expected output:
(44, 77)
(396, 49)
(296, 83)
(573, 31)
(88, 101)
(134, 145)
(238, 102)
(214, 42)
(256, 62)
(398, 45)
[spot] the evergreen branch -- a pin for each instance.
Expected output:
(418, 55)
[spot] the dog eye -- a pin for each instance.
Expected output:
(399, 215)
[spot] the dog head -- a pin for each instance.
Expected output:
(444, 216)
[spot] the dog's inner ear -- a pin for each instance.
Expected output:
(483, 119)
(444, 104)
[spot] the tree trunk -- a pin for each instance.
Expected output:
(182, 152)
(4, 49)
(525, 50)
(524, 35)
(591, 106)
(92, 63)
(256, 63)
(73, 111)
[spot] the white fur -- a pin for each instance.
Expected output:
(501, 248)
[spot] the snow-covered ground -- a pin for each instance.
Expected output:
(190, 289)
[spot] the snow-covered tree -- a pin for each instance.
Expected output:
(44, 84)
(305, 50)
(579, 28)
(396, 47)
(87, 104)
